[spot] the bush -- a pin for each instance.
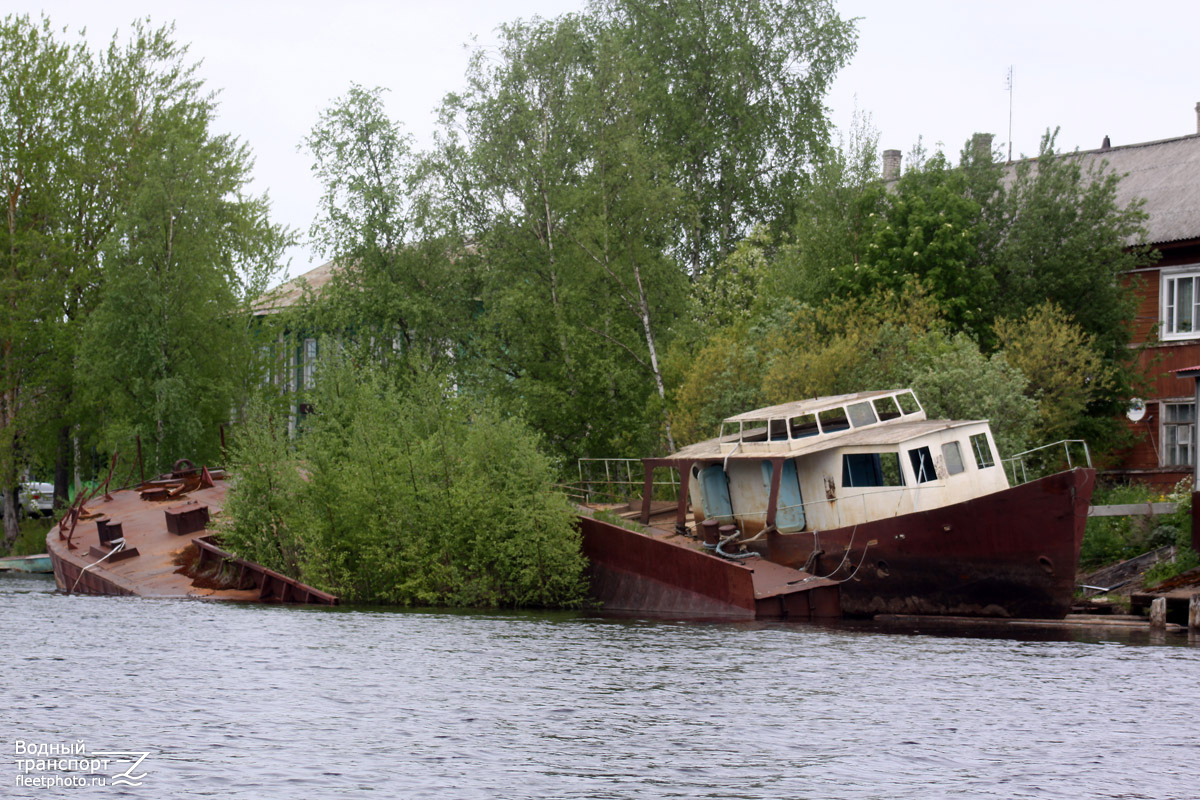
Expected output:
(1108, 540)
(1180, 529)
(408, 496)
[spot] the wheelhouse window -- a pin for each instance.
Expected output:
(922, 464)
(908, 403)
(834, 419)
(803, 426)
(952, 455)
(886, 408)
(1181, 304)
(1178, 419)
(982, 450)
(861, 414)
(871, 469)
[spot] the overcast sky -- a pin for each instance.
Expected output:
(924, 68)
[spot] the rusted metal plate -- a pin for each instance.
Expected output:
(154, 573)
(271, 585)
(663, 573)
(187, 518)
(1008, 554)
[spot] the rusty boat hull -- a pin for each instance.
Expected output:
(658, 572)
(166, 548)
(1012, 553)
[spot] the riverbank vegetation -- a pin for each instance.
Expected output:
(406, 494)
(1109, 540)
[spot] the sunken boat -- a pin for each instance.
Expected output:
(155, 540)
(901, 513)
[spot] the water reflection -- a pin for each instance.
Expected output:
(249, 701)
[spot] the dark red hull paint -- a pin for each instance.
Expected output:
(633, 572)
(1010, 554)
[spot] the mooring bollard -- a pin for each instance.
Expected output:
(1194, 614)
(1158, 612)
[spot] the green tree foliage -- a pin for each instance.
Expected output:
(86, 143)
(719, 378)
(735, 92)
(835, 222)
(1065, 370)
(571, 220)
(930, 228)
(414, 497)
(398, 288)
(1065, 240)
(36, 127)
(163, 349)
(955, 380)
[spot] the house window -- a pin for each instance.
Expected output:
(1181, 305)
(309, 362)
(1178, 419)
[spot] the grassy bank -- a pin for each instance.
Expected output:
(1109, 540)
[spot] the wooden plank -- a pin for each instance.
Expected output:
(1132, 510)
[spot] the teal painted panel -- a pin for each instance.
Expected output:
(714, 494)
(790, 515)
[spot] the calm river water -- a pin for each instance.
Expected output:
(267, 702)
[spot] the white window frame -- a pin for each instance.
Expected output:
(1168, 288)
(1184, 446)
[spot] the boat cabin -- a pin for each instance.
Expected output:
(836, 461)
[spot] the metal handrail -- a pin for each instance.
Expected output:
(1018, 459)
(631, 478)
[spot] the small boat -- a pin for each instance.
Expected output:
(38, 563)
(905, 514)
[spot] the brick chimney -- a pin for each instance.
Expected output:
(891, 161)
(981, 146)
(1197, 117)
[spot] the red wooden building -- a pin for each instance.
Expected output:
(1166, 176)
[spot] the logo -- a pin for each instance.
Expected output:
(69, 764)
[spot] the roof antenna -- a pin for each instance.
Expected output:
(1008, 85)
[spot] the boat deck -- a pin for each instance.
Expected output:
(160, 536)
(654, 569)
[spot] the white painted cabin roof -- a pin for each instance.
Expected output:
(884, 434)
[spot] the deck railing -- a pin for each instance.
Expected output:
(618, 480)
(1032, 464)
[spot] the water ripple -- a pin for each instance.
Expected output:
(261, 702)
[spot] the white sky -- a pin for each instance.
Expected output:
(929, 68)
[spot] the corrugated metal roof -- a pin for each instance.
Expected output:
(1166, 174)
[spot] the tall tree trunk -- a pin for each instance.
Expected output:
(12, 520)
(62, 468)
(644, 313)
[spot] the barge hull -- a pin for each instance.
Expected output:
(638, 573)
(1008, 554)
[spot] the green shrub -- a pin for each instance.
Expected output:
(1180, 528)
(407, 496)
(1108, 540)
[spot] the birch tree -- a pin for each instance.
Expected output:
(36, 104)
